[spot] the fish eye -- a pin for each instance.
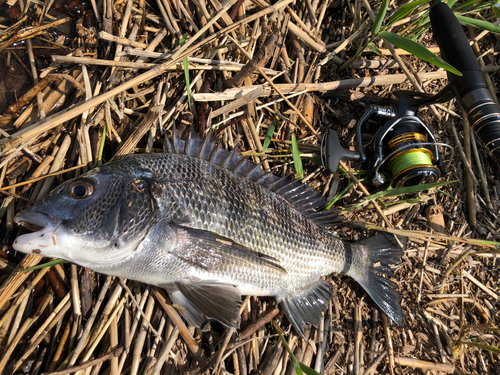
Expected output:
(81, 189)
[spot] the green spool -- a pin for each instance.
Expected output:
(413, 159)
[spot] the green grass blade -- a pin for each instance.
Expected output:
(340, 195)
(269, 135)
(380, 17)
(101, 146)
(48, 264)
(418, 51)
(399, 191)
(185, 64)
(484, 327)
(382, 204)
(308, 370)
(297, 161)
(450, 3)
(476, 5)
(496, 10)
(466, 21)
(412, 189)
(295, 363)
(482, 345)
(405, 10)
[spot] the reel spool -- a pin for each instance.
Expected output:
(405, 153)
(411, 163)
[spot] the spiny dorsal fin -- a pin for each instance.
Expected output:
(177, 142)
(193, 144)
(300, 195)
(207, 147)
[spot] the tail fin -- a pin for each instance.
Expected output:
(370, 259)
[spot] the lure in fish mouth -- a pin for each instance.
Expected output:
(209, 226)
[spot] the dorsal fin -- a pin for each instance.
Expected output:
(177, 142)
(232, 159)
(207, 147)
(193, 144)
(300, 195)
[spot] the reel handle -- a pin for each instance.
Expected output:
(335, 152)
(482, 111)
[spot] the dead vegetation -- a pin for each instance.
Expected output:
(82, 82)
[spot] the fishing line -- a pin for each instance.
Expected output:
(411, 159)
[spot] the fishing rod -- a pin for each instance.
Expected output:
(404, 152)
(470, 88)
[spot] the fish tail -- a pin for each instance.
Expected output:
(371, 258)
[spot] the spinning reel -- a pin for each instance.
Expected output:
(404, 151)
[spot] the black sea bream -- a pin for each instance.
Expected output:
(208, 226)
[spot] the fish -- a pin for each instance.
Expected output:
(209, 226)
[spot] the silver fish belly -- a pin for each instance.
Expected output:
(209, 226)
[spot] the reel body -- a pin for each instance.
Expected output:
(403, 152)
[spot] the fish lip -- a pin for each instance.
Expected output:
(43, 239)
(34, 221)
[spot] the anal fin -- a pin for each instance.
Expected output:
(308, 306)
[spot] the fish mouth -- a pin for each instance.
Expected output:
(43, 229)
(33, 221)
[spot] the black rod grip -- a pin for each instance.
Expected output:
(455, 49)
(482, 111)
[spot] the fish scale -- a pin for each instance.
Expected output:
(209, 226)
(254, 217)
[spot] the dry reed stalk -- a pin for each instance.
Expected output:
(52, 121)
(287, 88)
(131, 331)
(227, 66)
(24, 328)
(425, 365)
(60, 347)
(30, 32)
(371, 368)
(177, 321)
(141, 336)
(116, 352)
(15, 280)
(83, 339)
(117, 311)
(43, 331)
(165, 352)
(17, 319)
(358, 333)
(421, 235)
(218, 360)
(465, 161)
(56, 166)
(252, 95)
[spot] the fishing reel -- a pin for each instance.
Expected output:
(403, 152)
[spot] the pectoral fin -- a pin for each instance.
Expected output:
(211, 251)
